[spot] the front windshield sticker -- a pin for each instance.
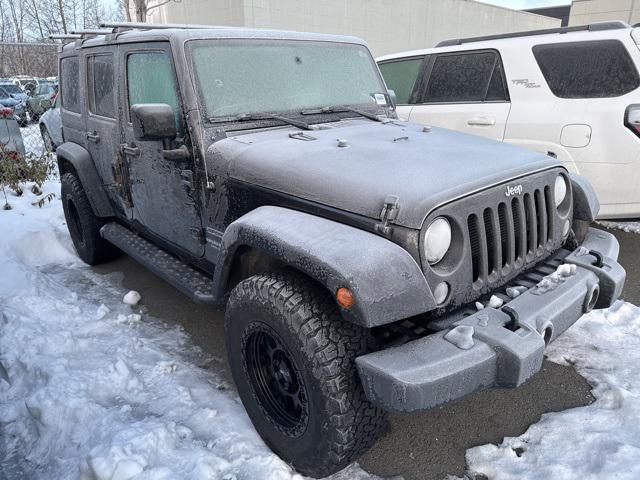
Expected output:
(380, 98)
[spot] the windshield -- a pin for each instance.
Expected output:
(251, 76)
(10, 88)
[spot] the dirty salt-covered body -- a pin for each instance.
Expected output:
(276, 158)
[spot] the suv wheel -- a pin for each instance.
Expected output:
(84, 226)
(292, 359)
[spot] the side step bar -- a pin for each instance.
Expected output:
(185, 278)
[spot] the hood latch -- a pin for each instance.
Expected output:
(388, 214)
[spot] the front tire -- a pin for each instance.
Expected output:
(292, 359)
(84, 226)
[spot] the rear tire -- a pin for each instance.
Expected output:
(292, 359)
(84, 226)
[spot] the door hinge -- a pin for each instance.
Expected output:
(388, 214)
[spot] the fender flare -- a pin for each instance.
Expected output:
(585, 201)
(387, 283)
(81, 160)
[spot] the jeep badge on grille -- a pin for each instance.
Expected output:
(513, 191)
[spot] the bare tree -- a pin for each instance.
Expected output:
(143, 8)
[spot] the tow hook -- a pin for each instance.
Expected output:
(599, 258)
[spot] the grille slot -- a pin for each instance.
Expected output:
(510, 234)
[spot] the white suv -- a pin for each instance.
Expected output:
(571, 92)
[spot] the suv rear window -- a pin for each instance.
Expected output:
(70, 67)
(466, 77)
(400, 76)
(593, 69)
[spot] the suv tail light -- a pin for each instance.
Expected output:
(6, 112)
(632, 119)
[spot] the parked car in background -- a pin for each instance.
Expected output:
(14, 90)
(17, 107)
(35, 105)
(572, 93)
(51, 126)
(11, 143)
(25, 82)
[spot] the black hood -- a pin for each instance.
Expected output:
(423, 169)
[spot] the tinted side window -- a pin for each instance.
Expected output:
(70, 79)
(150, 79)
(401, 76)
(101, 85)
(594, 69)
(466, 77)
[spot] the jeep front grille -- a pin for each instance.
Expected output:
(514, 232)
(501, 233)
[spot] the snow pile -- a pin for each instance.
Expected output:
(596, 442)
(91, 390)
(461, 336)
(630, 227)
(132, 298)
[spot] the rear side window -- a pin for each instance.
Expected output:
(400, 76)
(70, 67)
(150, 79)
(101, 85)
(466, 77)
(593, 69)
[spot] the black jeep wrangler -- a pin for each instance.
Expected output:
(367, 264)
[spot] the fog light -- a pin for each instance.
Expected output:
(441, 292)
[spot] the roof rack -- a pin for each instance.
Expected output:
(152, 26)
(592, 27)
(65, 36)
(87, 32)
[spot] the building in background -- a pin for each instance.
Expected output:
(561, 12)
(589, 11)
(387, 25)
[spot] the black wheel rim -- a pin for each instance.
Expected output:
(74, 221)
(275, 379)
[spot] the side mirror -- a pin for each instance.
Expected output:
(393, 97)
(153, 121)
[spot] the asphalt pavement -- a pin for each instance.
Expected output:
(424, 445)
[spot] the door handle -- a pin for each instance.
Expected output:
(93, 137)
(481, 121)
(131, 151)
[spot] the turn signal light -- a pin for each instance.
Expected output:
(344, 297)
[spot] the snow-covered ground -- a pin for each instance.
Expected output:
(631, 227)
(91, 389)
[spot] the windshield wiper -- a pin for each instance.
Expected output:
(247, 117)
(342, 108)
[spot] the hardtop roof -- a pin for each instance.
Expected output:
(181, 35)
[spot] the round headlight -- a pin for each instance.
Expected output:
(560, 190)
(437, 240)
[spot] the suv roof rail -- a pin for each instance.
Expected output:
(152, 26)
(592, 27)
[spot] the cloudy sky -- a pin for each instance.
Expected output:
(519, 4)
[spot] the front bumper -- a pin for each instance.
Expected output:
(508, 342)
